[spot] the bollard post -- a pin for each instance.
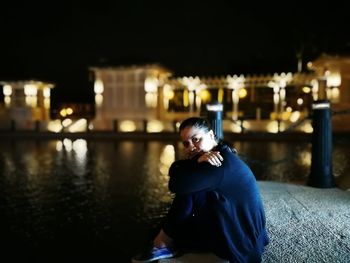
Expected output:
(144, 125)
(214, 116)
(13, 126)
(321, 174)
(37, 126)
(115, 125)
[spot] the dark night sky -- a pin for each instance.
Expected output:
(57, 42)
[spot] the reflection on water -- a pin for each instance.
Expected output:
(78, 199)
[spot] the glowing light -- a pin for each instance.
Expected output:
(300, 101)
(7, 90)
(198, 103)
(167, 157)
(333, 79)
(235, 97)
(305, 158)
(220, 95)
(335, 93)
(246, 125)
(314, 89)
(98, 86)
(191, 83)
(155, 126)
(294, 117)
(78, 126)
(307, 127)
(66, 122)
(7, 101)
(31, 101)
(168, 92)
(68, 145)
(236, 127)
(235, 82)
(272, 127)
(191, 99)
(282, 126)
(282, 94)
(151, 100)
(47, 92)
(59, 146)
(285, 115)
(98, 100)
(69, 111)
(317, 106)
(63, 113)
(47, 103)
(127, 126)
(54, 126)
(205, 95)
(215, 107)
(289, 109)
(80, 147)
(242, 93)
(185, 98)
(306, 89)
(151, 84)
(30, 90)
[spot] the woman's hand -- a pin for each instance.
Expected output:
(212, 157)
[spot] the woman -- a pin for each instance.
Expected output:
(217, 205)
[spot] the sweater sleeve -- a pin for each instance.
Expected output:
(189, 176)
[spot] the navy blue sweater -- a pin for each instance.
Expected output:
(237, 218)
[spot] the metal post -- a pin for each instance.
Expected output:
(37, 126)
(115, 125)
(214, 116)
(13, 125)
(321, 174)
(144, 124)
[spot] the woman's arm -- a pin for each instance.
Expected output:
(188, 176)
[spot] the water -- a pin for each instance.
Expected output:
(77, 200)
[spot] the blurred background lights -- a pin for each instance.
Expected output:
(127, 126)
(155, 126)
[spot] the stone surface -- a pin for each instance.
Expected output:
(305, 224)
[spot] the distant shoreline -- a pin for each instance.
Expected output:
(108, 135)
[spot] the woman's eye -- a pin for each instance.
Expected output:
(194, 140)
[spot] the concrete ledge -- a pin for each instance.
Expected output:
(305, 224)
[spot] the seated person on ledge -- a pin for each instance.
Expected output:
(217, 206)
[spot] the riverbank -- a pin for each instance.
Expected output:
(138, 135)
(5, 135)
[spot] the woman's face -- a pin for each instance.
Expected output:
(196, 140)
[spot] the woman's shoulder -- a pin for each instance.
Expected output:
(225, 147)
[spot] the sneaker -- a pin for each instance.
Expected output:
(155, 253)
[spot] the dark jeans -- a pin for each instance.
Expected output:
(187, 221)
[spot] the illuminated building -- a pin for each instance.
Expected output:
(148, 98)
(128, 95)
(334, 77)
(272, 102)
(25, 104)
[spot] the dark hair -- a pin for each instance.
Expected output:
(196, 122)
